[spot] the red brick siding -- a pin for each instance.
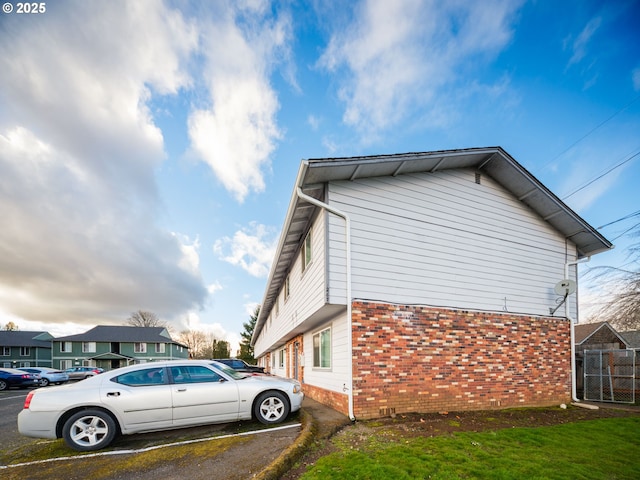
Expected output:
(335, 400)
(422, 359)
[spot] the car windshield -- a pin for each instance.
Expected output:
(229, 371)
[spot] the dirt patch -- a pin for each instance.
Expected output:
(360, 434)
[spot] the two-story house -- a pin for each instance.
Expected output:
(25, 349)
(111, 347)
(424, 282)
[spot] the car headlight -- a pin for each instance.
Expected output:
(297, 388)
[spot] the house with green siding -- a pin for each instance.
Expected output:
(110, 347)
(25, 349)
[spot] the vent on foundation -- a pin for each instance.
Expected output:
(387, 412)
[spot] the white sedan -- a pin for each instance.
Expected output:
(155, 396)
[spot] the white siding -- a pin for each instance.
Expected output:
(335, 378)
(442, 239)
(306, 295)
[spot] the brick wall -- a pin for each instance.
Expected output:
(422, 359)
(335, 400)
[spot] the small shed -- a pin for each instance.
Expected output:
(594, 336)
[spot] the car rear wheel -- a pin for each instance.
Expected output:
(271, 407)
(89, 430)
(44, 382)
(3, 385)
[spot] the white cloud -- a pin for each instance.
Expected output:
(251, 249)
(397, 58)
(236, 132)
(79, 147)
(579, 45)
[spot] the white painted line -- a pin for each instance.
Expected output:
(147, 449)
(9, 398)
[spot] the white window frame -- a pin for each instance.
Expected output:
(64, 364)
(319, 360)
(5, 351)
(160, 348)
(282, 355)
(139, 347)
(287, 288)
(307, 252)
(88, 347)
(25, 351)
(66, 347)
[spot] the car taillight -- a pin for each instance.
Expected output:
(27, 401)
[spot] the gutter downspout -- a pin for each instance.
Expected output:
(574, 393)
(347, 220)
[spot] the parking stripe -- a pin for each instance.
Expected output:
(147, 449)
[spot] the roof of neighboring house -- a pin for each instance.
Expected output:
(18, 338)
(584, 331)
(632, 337)
(492, 161)
(125, 334)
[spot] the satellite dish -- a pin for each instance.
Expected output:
(565, 287)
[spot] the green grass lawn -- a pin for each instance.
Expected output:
(595, 449)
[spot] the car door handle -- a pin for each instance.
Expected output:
(182, 389)
(113, 394)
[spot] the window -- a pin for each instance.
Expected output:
(65, 347)
(273, 360)
(139, 378)
(286, 287)
(139, 347)
(25, 351)
(194, 374)
(283, 354)
(306, 252)
(159, 347)
(88, 347)
(277, 305)
(322, 349)
(5, 351)
(64, 364)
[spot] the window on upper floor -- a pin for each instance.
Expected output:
(307, 255)
(140, 347)
(322, 349)
(160, 347)
(66, 347)
(88, 347)
(25, 351)
(5, 351)
(286, 287)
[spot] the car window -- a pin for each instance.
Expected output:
(229, 371)
(141, 378)
(194, 374)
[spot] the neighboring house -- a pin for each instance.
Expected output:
(111, 347)
(25, 349)
(424, 282)
(594, 336)
(632, 339)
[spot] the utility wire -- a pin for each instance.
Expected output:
(590, 132)
(602, 175)
(619, 220)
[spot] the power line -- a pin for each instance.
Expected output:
(602, 175)
(620, 219)
(590, 132)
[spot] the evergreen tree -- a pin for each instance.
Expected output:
(246, 350)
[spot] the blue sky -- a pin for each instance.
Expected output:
(148, 149)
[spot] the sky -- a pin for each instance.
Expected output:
(148, 149)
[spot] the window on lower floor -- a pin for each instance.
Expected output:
(322, 349)
(64, 364)
(282, 356)
(25, 351)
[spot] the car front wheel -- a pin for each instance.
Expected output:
(271, 407)
(89, 430)
(3, 385)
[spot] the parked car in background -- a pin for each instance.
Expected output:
(240, 365)
(80, 373)
(12, 377)
(47, 375)
(155, 396)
